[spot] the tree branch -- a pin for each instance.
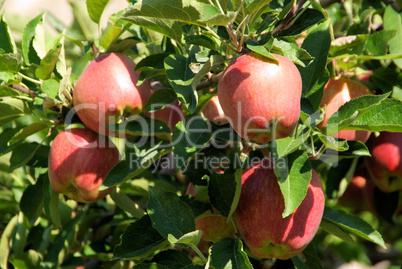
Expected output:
(212, 79)
(24, 90)
(284, 23)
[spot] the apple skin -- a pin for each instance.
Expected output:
(336, 93)
(214, 227)
(258, 216)
(107, 90)
(385, 163)
(213, 111)
(255, 92)
(79, 161)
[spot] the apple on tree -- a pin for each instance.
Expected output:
(261, 97)
(214, 227)
(259, 220)
(385, 163)
(79, 161)
(107, 90)
(337, 92)
(213, 111)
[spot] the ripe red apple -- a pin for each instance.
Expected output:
(385, 163)
(214, 227)
(258, 216)
(79, 161)
(336, 93)
(213, 111)
(260, 97)
(107, 90)
(359, 194)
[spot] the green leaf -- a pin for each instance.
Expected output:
(356, 149)
(377, 42)
(175, 10)
(173, 259)
(124, 202)
(262, 50)
(317, 44)
(10, 62)
(152, 62)
(51, 203)
(109, 35)
(168, 28)
(256, 5)
(386, 78)
(201, 40)
(352, 111)
(169, 214)
(333, 228)
(229, 253)
(189, 239)
(307, 19)
(95, 9)
(311, 260)
(6, 237)
(30, 54)
(294, 174)
(136, 162)
(180, 77)
(6, 41)
(212, 15)
(48, 63)
(393, 21)
(386, 116)
(160, 99)
(141, 125)
(287, 145)
(293, 52)
(22, 154)
(189, 137)
(31, 203)
(345, 45)
(51, 88)
(224, 191)
(139, 240)
(354, 225)
(333, 143)
(11, 109)
(27, 131)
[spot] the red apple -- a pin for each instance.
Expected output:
(214, 227)
(259, 220)
(261, 97)
(79, 161)
(213, 111)
(385, 163)
(359, 194)
(107, 90)
(336, 93)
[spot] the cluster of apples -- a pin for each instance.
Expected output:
(259, 97)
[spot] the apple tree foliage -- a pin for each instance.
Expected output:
(182, 46)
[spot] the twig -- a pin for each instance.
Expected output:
(24, 90)
(212, 79)
(282, 25)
